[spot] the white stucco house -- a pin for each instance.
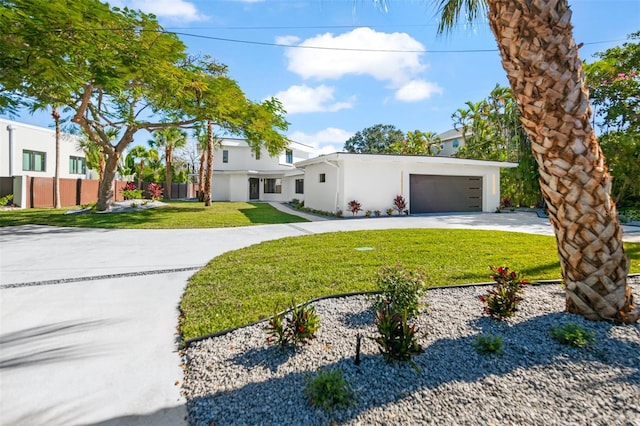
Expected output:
(428, 184)
(31, 150)
(243, 174)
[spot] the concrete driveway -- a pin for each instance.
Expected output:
(89, 316)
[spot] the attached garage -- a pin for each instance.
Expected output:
(441, 194)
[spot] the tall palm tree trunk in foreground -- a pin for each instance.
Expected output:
(208, 175)
(542, 63)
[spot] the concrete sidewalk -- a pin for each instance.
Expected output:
(88, 317)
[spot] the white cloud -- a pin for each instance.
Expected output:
(417, 90)
(325, 141)
(304, 99)
(394, 67)
(173, 10)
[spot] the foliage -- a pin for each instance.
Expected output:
(389, 211)
(222, 295)
(377, 139)
(129, 191)
(169, 139)
(573, 334)
(396, 339)
(155, 191)
(7, 199)
(376, 213)
(298, 327)
(502, 300)
(417, 143)
(488, 344)
(400, 204)
(367, 213)
(329, 390)
(354, 207)
(399, 288)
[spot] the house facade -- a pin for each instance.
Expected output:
(241, 173)
(428, 184)
(31, 151)
(450, 142)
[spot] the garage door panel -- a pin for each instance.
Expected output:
(439, 194)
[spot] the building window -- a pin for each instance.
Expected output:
(256, 153)
(273, 186)
(323, 178)
(34, 161)
(288, 156)
(299, 186)
(77, 165)
(225, 156)
(456, 143)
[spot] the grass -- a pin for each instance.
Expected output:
(176, 215)
(246, 285)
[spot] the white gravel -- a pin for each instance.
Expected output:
(239, 379)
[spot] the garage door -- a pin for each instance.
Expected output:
(439, 194)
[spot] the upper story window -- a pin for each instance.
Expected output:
(456, 143)
(323, 178)
(288, 156)
(256, 153)
(34, 161)
(77, 165)
(225, 156)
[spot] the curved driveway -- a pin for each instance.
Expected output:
(89, 316)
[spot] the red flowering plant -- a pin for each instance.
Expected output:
(502, 301)
(129, 191)
(297, 328)
(155, 191)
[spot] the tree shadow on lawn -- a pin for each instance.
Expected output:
(378, 384)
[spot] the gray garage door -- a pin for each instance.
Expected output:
(439, 194)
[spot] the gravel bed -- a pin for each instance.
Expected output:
(239, 379)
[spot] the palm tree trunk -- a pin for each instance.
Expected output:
(208, 176)
(203, 160)
(168, 156)
(542, 63)
(56, 180)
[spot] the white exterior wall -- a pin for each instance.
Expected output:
(289, 187)
(32, 138)
(325, 196)
(220, 187)
(238, 187)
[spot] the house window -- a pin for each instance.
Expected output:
(323, 178)
(288, 156)
(225, 156)
(273, 186)
(299, 186)
(77, 165)
(256, 153)
(456, 143)
(34, 161)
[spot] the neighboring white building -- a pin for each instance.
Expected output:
(243, 174)
(428, 184)
(30, 150)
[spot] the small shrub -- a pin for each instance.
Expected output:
(129, 191)
(298, 327)
(502, 300)
(573, 334)
(488, 344)
(400, 288)
(329, 390)
(506, 203)
(397, 339)
(377, 213)
(338, 213)
(354, 207)
(155, 191)
(6, 200)
(90, 206)
(367, 213)
(389, 212)
(400, 204)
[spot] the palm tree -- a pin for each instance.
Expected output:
(56, 180)
(141, 154)
(544, 69)
(168, 138)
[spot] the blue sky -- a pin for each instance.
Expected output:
(330, 94)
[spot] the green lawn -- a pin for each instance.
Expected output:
(249, 284)
(177, 215)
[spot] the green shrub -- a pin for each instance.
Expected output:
(7, 199)
(502, 300)
(329, 390)
(396, 339)
(400, 289)
(488, 344)
(298, 327)
(377, 213)
(573, 334)
(389, 212)
(367, 213)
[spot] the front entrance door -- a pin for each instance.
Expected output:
(254, 188)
